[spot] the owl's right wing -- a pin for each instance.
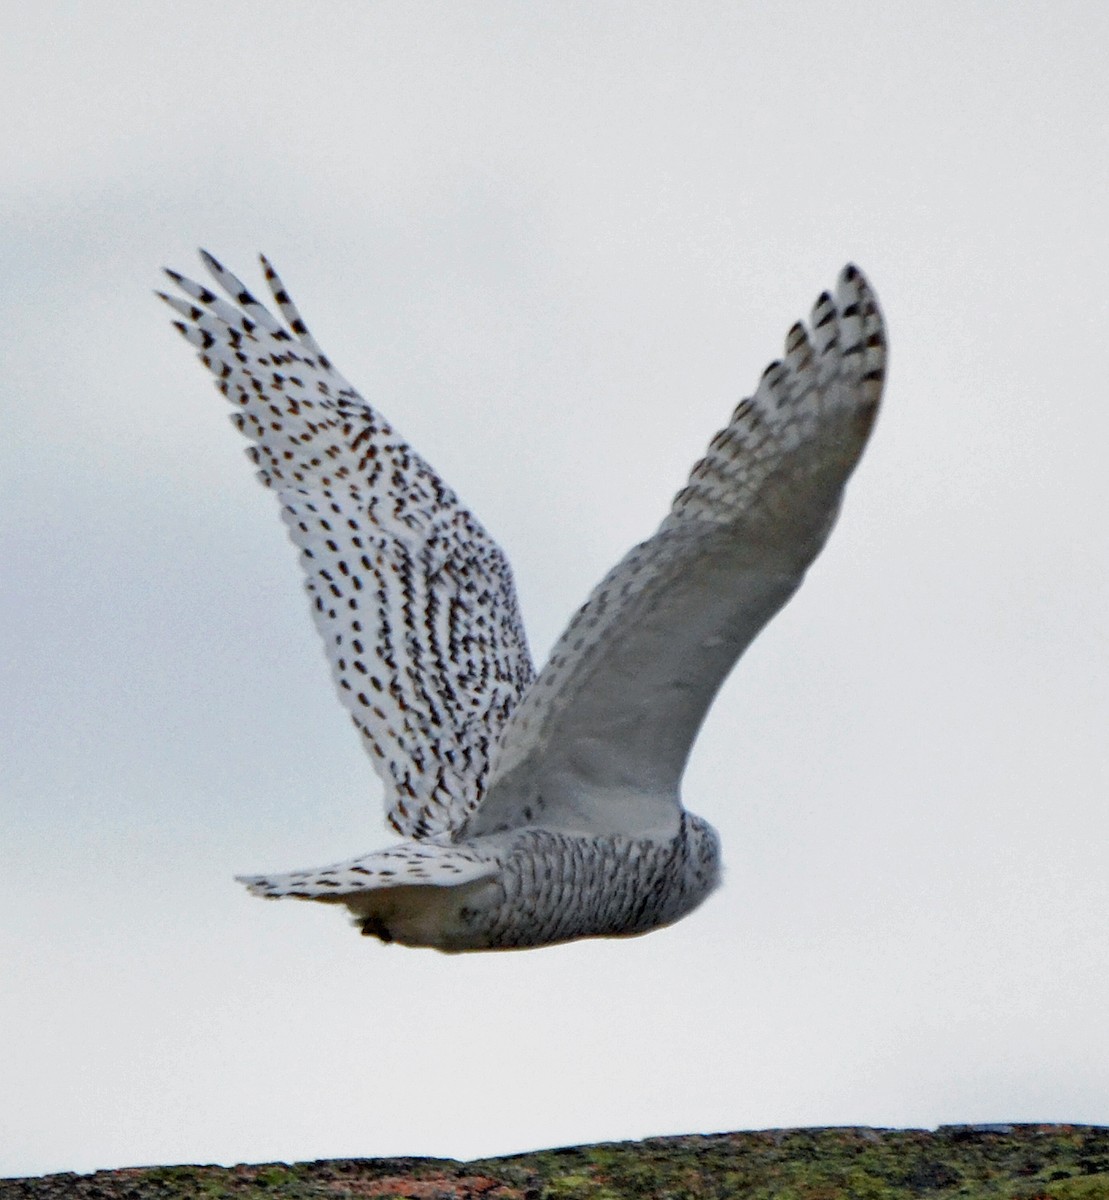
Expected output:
(600, 740)
(414, 601)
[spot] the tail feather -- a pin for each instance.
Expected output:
(411, 864)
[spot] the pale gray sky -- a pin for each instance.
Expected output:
(555, 243)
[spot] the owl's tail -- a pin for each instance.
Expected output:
(410, 864)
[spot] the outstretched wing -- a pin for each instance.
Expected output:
(600, 741)
(414, 600)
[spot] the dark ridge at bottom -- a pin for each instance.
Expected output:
(1016, 1162)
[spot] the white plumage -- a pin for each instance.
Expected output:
(536, 810)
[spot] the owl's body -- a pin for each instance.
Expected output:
(533, 887)
(535, 810)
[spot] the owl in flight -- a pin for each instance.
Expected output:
(534, 809)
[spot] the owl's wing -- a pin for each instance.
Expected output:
(414, 600)
(600, 740)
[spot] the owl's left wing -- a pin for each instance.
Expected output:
(415, 602)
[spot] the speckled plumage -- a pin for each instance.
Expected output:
(535, 810)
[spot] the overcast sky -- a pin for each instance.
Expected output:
(554, 243)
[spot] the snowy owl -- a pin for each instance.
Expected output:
(534, 809)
